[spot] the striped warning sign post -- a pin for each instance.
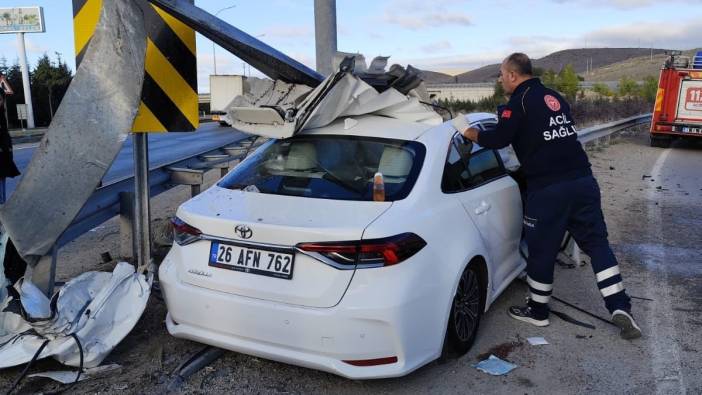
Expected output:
(169, 100)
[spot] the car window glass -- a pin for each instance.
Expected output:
(330, 167)
(483, 166)
(454, 171)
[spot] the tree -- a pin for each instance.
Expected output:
(49, 83)
(568, 82)
(628, 87)
(649, 89)
(602, 90)
(548, 78)
(499, 91)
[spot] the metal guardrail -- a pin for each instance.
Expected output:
(596, 132)
(104, 204)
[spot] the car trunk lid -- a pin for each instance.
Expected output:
(274, 224)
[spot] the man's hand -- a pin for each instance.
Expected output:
(471, 134)
(463, 127)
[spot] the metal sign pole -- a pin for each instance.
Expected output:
(25, 80)
(142, 217)
(325, 34)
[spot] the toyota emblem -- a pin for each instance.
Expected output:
(243, 231)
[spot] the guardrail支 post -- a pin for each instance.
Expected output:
(183, 176)
(127, 243)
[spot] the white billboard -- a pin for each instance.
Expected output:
(22, 20)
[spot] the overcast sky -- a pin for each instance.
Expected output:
(439, 35)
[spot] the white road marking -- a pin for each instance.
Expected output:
(665, 350)
(21, 147)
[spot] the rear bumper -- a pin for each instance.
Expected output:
(692, 130)
(363, 326)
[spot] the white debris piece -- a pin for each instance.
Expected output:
(69, 376)
(99, 308)
(537, 341)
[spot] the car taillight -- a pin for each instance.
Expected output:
(371, 253)
(183, 233)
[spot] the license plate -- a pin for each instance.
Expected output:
(215, 117)
(686, 129)
(252, 260)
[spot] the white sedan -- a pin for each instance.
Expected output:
(294, 258)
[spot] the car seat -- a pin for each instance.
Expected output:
(395, 164)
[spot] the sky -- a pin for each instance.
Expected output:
(449, 36)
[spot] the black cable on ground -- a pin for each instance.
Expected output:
(80, 351)
(26, 368)
(583, 310)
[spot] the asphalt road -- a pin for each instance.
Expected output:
(163, 147)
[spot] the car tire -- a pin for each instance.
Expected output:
(464, 316)
(660, 142)
(222, 123)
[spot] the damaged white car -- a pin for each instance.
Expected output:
(366, 248)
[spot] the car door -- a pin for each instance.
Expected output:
(491, 199)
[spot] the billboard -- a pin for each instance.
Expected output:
(22, 20)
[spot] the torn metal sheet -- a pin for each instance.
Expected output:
(69, 377)
(87, 132)
(343, 94)
(99, 308)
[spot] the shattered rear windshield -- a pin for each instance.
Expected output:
(330, 167)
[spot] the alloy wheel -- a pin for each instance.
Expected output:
(466, 307)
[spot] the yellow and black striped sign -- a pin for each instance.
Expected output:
(169, 100)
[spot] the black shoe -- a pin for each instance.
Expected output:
(625, 322)
(526, 314)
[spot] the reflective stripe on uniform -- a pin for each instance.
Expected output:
(540, 298)
(607, 273)
(612, 289)
(539, 286)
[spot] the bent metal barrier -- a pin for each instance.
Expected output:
(105, 202)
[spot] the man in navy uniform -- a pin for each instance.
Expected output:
(562, 194)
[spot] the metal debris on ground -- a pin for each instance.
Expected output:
(495, 366)
(537, 341)
(192, 365)
(68, 377)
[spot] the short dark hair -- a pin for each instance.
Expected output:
(520, 63)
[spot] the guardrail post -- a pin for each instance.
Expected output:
(142, 209)
(222, 166)
(193, 177)
(44, 273)
(127, 243)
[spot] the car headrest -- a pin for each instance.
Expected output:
(395, 162)
(302, 156)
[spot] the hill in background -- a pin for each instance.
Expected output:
(637, 68)
(600, 58)
(433, 77)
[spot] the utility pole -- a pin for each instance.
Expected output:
(214, 53)
(325, 34)
(23, 20)
(25, 81)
